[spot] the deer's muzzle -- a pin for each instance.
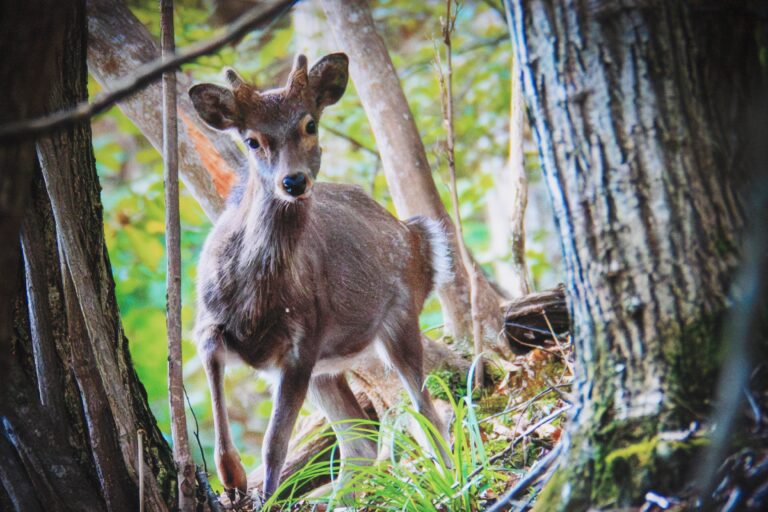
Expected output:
(296, 184)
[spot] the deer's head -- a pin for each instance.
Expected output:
(278, 126)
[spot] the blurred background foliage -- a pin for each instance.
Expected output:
(131, 174)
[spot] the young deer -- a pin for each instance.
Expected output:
(299, 278)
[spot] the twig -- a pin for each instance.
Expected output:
(184, 466)
(534, 346)
(536, 471)
(433, 328)
(510, 323)
(140, 463)
(211, 497)
(356, 143)
(144, 75)
(195, 432)
(526, 403)
(557, 343)
(547, 419)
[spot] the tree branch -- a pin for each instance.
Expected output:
(257, 17)
(536, 471)
(356, 143)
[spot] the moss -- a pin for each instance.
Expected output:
(453, 379)
(624, 474)
(617, 465)
(641, 451)
(614, 461)
(567, 490)
(693, 353)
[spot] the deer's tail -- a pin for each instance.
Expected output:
(434, 240)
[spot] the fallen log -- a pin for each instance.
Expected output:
(530, 321)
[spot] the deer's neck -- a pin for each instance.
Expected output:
(273, 229)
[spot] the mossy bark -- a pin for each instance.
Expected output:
(638, 111)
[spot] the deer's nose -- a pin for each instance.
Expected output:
(295, 184)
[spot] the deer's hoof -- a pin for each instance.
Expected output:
(241, 502)
(231, 472)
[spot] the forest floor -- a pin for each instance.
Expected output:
(498, 435)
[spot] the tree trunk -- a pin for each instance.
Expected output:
(404, 160)
(515, 184)
(25, 85)
(72, 403)
(639, 112)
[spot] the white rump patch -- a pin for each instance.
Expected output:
(442, 262)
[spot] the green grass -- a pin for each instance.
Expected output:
(412, 478)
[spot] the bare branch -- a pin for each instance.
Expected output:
(256, 18)
(356, 143)
(536, 471)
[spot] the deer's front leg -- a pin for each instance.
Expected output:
(228, 465)
(289, 393)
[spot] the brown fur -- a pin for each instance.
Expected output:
(299, 287)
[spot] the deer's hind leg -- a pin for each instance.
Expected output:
(332, 394)
(401, 341)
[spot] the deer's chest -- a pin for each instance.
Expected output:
(260, 306)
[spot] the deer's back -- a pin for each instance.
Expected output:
(370, 258)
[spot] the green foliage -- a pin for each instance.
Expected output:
(412, 478)
(445, 384)
(480, 464)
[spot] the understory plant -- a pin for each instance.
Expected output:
(410, 476)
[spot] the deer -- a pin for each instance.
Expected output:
(302, 279)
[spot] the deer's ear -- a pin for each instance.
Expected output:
(215, 105)
(328, 79)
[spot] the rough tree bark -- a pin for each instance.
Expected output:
(25, 85)
(639, 111)
(72, 404)
(403, 157)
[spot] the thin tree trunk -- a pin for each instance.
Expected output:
(640, 132)
(184, 464)
(507, 202)
(403, 157)
(515, 186)
(470, 267)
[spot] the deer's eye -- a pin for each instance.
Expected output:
(252, 143)
(311, 128)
